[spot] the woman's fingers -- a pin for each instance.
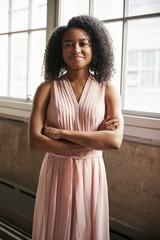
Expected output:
(111, 122)
(47, 131)
(111, 126)
(108, 124)
(52, 132)
(106, 119)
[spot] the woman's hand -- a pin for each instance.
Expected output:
(53, 133)
(108, 124)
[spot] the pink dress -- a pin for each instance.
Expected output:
(72, 194)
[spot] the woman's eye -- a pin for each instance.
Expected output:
(67, 45)
(83, 44)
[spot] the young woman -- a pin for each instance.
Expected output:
(76, 114)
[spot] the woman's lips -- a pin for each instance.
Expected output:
(77, 57)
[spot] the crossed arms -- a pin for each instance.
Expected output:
(48, 139)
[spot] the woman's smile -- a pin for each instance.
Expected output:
(77, 57)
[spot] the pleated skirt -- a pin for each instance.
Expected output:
(72, 199)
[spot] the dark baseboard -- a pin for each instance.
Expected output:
(129, 232)
(10, 232)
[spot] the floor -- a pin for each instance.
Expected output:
(9, 233)
(116, 236)
(113, 236)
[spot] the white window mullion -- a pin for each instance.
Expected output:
(53, 16)
(124, 62)
(9, 65)
(10, 15)
(91, 7)
(125, 8)
(28, 94)
(123, 55)
(9, 49)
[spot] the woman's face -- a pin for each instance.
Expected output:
(76, 49)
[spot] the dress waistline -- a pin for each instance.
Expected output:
(75, 157)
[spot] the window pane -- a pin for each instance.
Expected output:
(4, 8)
(20, 15)
(38, 41)
(39, 13)
(3, 65)
(18, 65)
(139, 7)
(142, 90)
(71, 8)
(107, 9)
(115, 30)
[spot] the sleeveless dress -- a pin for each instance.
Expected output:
(72, 195)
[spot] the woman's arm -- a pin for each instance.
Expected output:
(37, 141)
(102, 139)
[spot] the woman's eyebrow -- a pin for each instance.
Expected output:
(81, 39)
(68, 40)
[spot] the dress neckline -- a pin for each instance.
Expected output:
(84, 91)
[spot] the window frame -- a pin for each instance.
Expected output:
(139, 126)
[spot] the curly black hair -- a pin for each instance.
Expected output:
(102, 64)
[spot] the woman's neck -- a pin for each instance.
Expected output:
(78, 75)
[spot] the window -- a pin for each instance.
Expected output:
(134, 27)
(22, 43)
(142, 90)
(143, 81)
(72, 8)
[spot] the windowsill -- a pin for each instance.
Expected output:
(138, 129)
(16, 110)
(142, 129)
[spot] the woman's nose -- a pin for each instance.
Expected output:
(76, 48)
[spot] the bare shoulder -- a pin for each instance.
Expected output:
(42, 94)
(112, 92)
(43, 89)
